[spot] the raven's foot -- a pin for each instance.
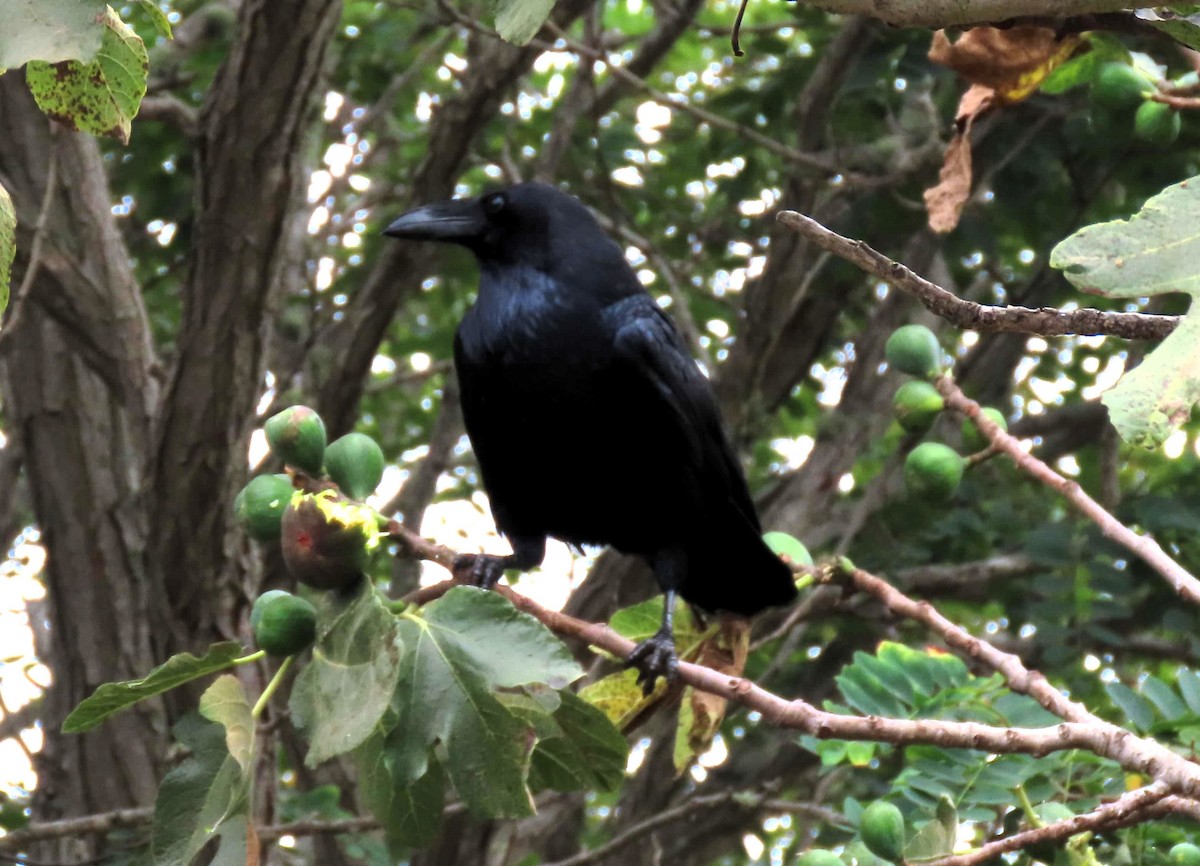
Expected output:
(655, 657)
(485, 569)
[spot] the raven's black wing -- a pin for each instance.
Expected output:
(729, 566)
(654, 352)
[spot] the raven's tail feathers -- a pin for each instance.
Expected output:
(737, 574)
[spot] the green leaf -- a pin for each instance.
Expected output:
(50, 30)
(1189, 687)
(1152, 253)
(8, 244)
(458, 651)
(224, 702)
(1135, 708)
(111, 698)
(233, 845)
(936, 838)
(159, 18)
(642, 620)
(410, 811)
(197, 797)
(100, 96)
(340, 696)
(1185, 31)
(1169, 704)
(518, 21)
(588, 753)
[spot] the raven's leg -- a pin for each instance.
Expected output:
(655, 656)
(487, 569)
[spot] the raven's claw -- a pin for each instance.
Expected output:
(486, 570)
(654, 657)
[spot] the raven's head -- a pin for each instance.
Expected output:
(529, 223)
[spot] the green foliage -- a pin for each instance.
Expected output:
(100, 96)
(1150, 254)
(341, 695)
(519, 20)
(8, 244)
(52, 30)
(459, 650)
(937, 836)
(206, 794)
(110, 698)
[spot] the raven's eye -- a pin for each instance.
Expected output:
(493, 204)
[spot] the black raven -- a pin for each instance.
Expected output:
(590, 421)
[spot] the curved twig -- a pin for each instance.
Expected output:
(1046, 322)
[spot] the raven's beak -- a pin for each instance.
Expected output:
(457, 220)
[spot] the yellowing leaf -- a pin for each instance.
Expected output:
(100, 96)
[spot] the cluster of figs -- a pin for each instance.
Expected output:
(1122, 91)
(932, 470)
(316, 512)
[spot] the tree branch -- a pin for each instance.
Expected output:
(1136, 754)
(1047, 321)
(750, 803)
(957, 13)
(1132, 808)
(1185, 584)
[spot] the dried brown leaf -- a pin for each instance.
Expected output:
(1013, 62)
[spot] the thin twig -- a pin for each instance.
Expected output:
(1127, 809)
(1047, 321)
(1184, 583)
(21, 296)
(725, 801)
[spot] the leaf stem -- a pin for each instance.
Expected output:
(1027, 807)
(253, 657)
(261, 703)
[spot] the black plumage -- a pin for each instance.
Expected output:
(589, 419)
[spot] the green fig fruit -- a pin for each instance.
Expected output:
(882, 830)
(1120, 87)
(916, 406)
(789, 549)
(933, 471)
(355, 463)
(819, 857)
(973, 440)
(914, 349)
(1157, 123)
(260, 505)
(297, 436)
(283, 624)
(1184, 854)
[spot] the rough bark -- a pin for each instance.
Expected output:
(77, 391)
(249, 151)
